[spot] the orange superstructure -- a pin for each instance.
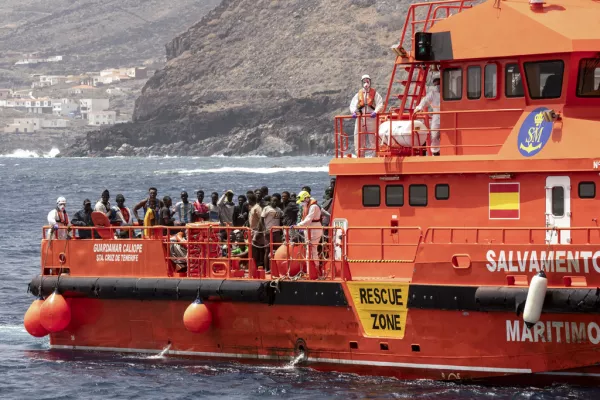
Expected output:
(430, 260)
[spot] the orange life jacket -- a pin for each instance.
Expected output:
(306, 209)
(370, 98)
(62, 216)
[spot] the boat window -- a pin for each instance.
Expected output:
(587, 190)
(442, 191)
(473, 82)
(544, 79)
(394, 195)
(588, 82)
(452, 84)
(417, 195)
(491, 81)
(513, 81)
(370, 195)
(558, 201)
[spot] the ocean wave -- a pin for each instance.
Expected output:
(224, 156)
(247, 170)
(20, 153)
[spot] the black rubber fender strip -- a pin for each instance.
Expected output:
(250, 291)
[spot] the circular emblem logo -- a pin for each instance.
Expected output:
(534, 132)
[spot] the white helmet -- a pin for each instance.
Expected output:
(365, 77)
(61, 200)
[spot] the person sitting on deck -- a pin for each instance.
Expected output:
(103, 205)
(145, 204)
(240, 248)
(58, 218)
(178, 250)
(184, 210)
(200, 209)
(366, 102)
(432, 99)
(83, 217)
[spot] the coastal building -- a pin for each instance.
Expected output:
(5, 94)
(30, 125)
(82, 89)
(102, 117)
(65, 107)
(87, 106)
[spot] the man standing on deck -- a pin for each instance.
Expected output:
(58, 218)
(145, 204)
(365, 106)
(200, 209)
(183, 210)
(432, 99)
(311, 218)
(83, 217)
(226, 208)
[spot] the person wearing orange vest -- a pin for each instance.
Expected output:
(432, 99)
(366, 103)
(58, 218)
(311, 217)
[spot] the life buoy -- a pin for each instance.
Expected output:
(100, 220)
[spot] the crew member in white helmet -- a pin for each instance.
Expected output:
(58, 219)
(311, 217)
(432, 99)
(369, 103)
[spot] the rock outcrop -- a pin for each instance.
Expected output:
(258, 77)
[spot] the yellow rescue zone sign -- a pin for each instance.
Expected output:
(381, 307)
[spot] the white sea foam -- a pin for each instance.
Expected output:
(223, 156)
(247, 170)
(20, 153)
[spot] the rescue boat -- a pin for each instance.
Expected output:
(481, 263)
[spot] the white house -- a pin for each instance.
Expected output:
(65, 107)
(92, 105)
(102, 117)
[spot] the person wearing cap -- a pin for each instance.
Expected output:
(365, 106)
(58, 218)
(83, 217)
(311, 217)
(184, 210)
(226, 208)
(432, 99)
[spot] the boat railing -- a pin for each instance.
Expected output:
(513, 235)
(375, 244)
(461, 137)
(420, 17)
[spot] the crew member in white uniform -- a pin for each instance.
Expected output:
(311, 217)
(58, 218)
(432, 99)
(367, 102)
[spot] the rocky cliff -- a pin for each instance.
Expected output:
(258, 77)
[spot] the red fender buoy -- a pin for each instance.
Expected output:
(32, 323)
(197, 317)
(55, 313)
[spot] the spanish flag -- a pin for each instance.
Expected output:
(504, 201)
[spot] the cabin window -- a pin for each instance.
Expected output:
(491, 81)
(544, 79)
(473, 82)
(452, 84)
(442, 191)
(587, 190)
(394, 195)
(588, 82)
(370, 196)
(417, 195)
(513, 81)
(558, 201)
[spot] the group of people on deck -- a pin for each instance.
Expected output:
(258, 210)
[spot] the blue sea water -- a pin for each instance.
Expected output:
(28, 369)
